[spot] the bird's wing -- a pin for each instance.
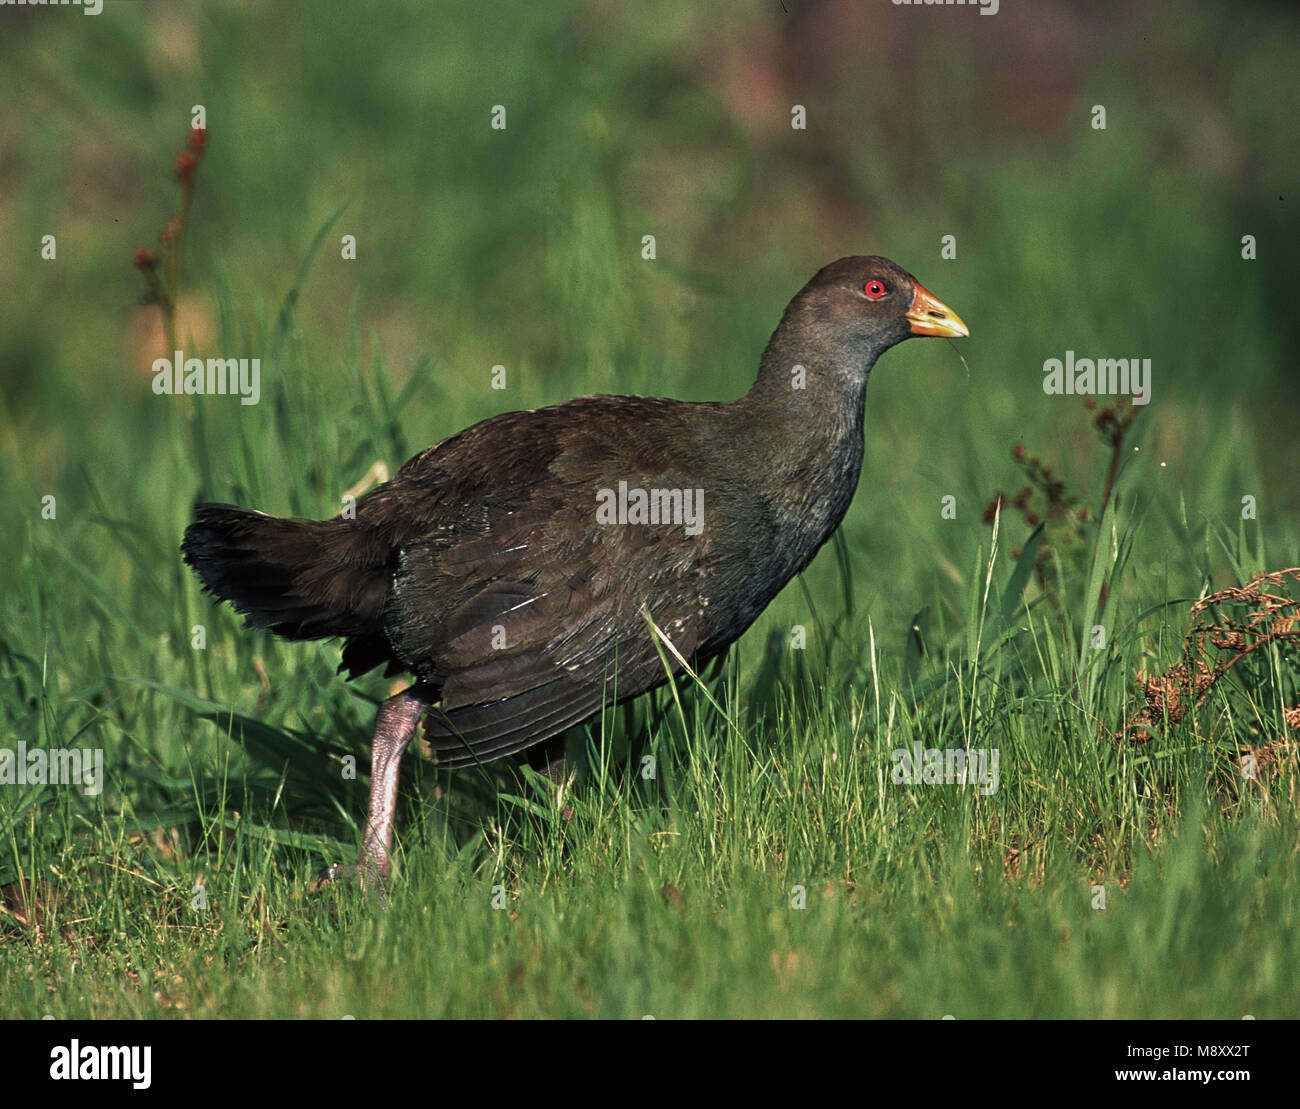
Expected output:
(524, 610)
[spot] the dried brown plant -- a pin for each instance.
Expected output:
(1221, 636)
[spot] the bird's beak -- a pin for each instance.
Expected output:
(930, 316)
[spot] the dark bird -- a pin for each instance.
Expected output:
(512, 567)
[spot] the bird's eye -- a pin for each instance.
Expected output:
(874, 289)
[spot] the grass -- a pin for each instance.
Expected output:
(236, 764)
(677, 897)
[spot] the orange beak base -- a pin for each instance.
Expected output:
(930, 316)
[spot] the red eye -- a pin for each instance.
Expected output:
(874, 289)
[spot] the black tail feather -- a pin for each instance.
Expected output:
(302, 579)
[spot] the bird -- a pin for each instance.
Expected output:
(526, 572)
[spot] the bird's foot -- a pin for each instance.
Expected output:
(365, 874)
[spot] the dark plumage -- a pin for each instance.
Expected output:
(482, 568)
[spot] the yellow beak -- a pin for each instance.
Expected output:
(930, 316)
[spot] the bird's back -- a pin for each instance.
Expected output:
(513, 566)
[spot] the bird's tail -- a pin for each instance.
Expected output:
(303, 579)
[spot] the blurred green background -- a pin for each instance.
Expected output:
(523, 248)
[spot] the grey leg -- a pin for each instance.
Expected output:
(547, 758)
(395, 725)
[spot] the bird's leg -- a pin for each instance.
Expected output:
(395, 725)
(547, 758)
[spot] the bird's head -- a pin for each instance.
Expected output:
(866, 304)
(838, 324)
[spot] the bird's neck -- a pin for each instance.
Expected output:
(809, 397)
(804, 421)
